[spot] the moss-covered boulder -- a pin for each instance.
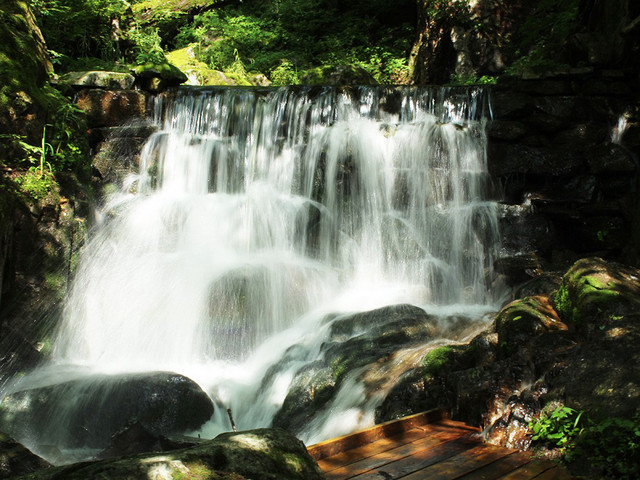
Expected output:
(521, 320)
(155, 77)
(263, 454)
(594, 290)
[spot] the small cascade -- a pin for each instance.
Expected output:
(257, 213)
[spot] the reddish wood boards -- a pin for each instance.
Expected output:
(426, 446)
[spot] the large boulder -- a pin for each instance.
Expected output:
(86, 412)
(263, 454)
(374, 348)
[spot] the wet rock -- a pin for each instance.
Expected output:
(88, 411)
(610, 158)
(262, 454)
(135, 438)
(355, 342)
(507, 104)
(109, 108)
(518, 267)
(17, 460)
(97, 79)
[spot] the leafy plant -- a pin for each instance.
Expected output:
(558, 428)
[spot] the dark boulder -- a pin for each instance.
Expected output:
(86, 412)
(16, 460)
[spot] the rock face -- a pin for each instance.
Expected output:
(576, 346)
(375, 347)
(562, 149)
(16, 460)
(88, 411)
(263, 454)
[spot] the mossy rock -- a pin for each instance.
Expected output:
(521, 320)
(262, 454)
(156, 77)
(594, 288)
(97, 79)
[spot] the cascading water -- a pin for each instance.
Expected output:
(258, 212)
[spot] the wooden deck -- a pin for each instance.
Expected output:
(426, 446)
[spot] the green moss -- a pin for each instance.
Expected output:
(435, 361)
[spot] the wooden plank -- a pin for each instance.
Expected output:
(419, 460)
(530, 470)
(499, 468)
(458, 465)
(555, 473)
(340, 444)
(356, 454)
(376, 460)
(435, 430)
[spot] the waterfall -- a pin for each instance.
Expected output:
(256, 212)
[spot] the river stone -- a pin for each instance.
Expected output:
(16, 460)
(262, 454)
(86, 412)
(97, 79)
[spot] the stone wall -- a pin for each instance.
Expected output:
(564, 152)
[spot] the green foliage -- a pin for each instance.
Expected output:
(610, 446)
(472, 80)
(285, 74)
(542, 35)
(558, 428)
(36, 183)
(147, 47)
(286, 38)
(79, 28)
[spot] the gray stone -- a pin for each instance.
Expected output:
(97, 79)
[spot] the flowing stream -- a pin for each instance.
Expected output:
(258, 212)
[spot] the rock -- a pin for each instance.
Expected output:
(16, 460)
(594, 287)
(262, 454)
(90, 410)
(518, 267)
(610, 158)
(135, 438)
(521, 320)
(97, 79)
(158, 77)
(111, 108)
(544, 284)
(508, 104)
(372, 338)
(507, 159)
(506, 130)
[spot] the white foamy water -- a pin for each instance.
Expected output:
(258, 212)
